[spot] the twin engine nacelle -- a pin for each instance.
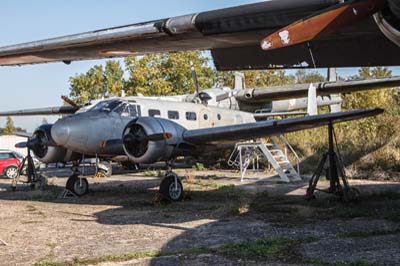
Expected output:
(150, 139)
(45, 149)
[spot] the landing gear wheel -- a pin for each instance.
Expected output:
(350, 194)
(11, 172)
(78, 186)
(171, 188)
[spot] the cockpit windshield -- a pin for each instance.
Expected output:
(106, 106)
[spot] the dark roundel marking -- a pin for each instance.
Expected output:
(219, 116)
(205, 117)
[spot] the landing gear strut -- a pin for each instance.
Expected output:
(335, 173)
(171, 187)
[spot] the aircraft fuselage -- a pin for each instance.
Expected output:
(90, 132)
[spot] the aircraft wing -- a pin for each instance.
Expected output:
(235, 36)
(322, 89)
(60, 110)
(240, 132)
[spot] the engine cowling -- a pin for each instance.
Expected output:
(388, 21)
(150, 139)
(45, 149)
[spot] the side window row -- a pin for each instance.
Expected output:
(191, 116)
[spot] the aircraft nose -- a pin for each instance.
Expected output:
(61, 132)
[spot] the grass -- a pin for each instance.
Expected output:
(49, 259)
(280, 249)
(270, 248)
(117, 258)
(51, 194)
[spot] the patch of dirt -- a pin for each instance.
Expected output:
(119, 217)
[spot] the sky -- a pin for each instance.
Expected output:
(42, 85)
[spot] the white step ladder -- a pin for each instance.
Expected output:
(244, 154)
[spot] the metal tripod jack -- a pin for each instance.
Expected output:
(339, 185)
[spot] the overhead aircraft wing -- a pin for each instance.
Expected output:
(322, 88)
(234, 36)
(240, 132)
(60, 110)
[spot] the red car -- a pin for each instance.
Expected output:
(9, 162)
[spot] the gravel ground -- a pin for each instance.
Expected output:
(120, 218)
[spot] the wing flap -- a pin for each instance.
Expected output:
(240, 132)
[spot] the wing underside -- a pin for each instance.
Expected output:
(233, 35)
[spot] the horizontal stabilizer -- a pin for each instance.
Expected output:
(323, 89)
(60, 110)
(240, 132)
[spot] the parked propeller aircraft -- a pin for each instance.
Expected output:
(142, 130)
(308, 33)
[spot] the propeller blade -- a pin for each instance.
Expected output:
(69, 101)
(194, 77)
(22, 134)
(21, 145)
(327, 21)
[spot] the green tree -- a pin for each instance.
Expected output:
(9, 128)
(97, 82)
(114, 75)
(306, 76)
(257, 78)
(168, 74)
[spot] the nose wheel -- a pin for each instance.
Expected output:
(78, 186)
(171, 187)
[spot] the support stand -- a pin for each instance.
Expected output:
(339, 185)
(32, 176)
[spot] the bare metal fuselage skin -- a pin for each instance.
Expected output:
(89, 132)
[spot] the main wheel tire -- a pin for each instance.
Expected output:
(78, 186)
(11, 172)
(170, 190)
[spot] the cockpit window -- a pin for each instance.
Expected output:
(128, 110)
(106, 106)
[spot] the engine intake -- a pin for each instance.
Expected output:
(150, 139)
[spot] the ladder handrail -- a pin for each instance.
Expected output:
(293, 151)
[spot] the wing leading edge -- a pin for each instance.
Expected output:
(228, 134)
